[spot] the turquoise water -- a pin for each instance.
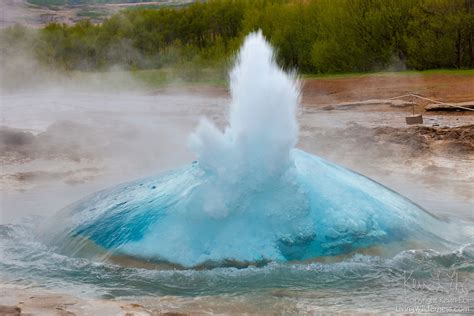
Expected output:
(364, 281)
(405, 258)
(314, 209)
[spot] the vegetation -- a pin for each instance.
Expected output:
(77, 2)
(92, 14)
(313, 36)
(155, 78)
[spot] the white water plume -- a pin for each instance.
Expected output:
(262, 124)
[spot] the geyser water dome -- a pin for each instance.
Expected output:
(250, 196)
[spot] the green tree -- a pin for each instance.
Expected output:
(440, 34)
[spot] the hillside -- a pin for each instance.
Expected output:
(38, 13)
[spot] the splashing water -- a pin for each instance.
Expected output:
(250, 196)
(263, 129)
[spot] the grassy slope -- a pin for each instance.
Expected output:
(456, 72)
(162, 77)
(155, 78)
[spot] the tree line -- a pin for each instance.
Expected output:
(80, 2)
(312, 36)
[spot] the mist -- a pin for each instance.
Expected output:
(65, 135)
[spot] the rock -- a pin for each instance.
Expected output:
(414, 119)
(10, 310)
(461, 106)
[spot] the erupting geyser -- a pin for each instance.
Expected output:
(250, 196)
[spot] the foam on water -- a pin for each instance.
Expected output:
(250, 196)
(378, 281)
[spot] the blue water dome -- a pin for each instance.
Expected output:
(250, 197)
